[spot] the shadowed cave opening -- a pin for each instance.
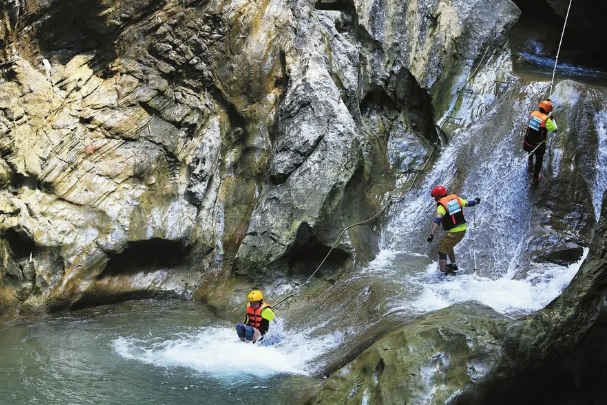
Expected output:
(537, 33)
(147, 256)
(306, 259)
(346, 6)
(20, 244)
(306, 254)
(404, 97)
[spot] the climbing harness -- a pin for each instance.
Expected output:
(559, 50)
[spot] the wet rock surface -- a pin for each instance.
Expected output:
(431, 360)
(195, 149)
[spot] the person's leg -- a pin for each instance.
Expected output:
(256, 335)
(240, 330)
(443, 251)
(250, 332)
(452, 256)
(530, 162)
(446, 248)
(442, 264)
(539, 160)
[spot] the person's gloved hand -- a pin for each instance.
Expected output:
(478, 200)
(430, 237)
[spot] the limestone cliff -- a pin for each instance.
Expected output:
(154, 145)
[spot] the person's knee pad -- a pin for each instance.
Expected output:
(250, 332)
(442, 256)
(240, 330)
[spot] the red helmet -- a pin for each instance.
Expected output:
(439, 191)
(546, 105)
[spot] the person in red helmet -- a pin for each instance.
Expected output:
(539, 124)
(449, 213)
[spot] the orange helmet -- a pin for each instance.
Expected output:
(438, 191)
(546, 105)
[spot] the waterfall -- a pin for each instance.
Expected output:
(484, 161)
(600, 183)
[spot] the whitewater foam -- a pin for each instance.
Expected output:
(217, 352)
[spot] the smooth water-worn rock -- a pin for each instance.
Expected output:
(430, 361)
(557, 356)
(467, 354)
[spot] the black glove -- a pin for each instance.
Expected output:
(430, 237)
(478, 200)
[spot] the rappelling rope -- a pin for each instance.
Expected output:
(551, 84)
(483, 196)
(556, 61)
(474, 240)
(504, 177)
(391, 201)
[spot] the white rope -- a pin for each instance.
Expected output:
(483, 196)
(559, 50)
(474, 240)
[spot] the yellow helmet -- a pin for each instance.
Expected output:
(255, 295)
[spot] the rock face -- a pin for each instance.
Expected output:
(557, 355)
(118, 139)
(202, 129)
(466, 354)
(179, 147)
(430, 361)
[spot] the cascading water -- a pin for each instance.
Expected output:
(231, 360)
(600, 184)
(501, 229)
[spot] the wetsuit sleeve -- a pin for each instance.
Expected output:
(470, 203)
(466, 202)
(551, 125)
(268, 314)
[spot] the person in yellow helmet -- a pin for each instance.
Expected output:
(539, 124)
(257, 320)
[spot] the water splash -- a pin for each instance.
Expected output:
(217, 352)
(425, 290)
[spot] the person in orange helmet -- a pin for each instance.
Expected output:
(449, 213)
(257, 319)
(539, 124)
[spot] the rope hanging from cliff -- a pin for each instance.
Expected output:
(556, 61)
(484, 196)
(391, 201)
(504, 177)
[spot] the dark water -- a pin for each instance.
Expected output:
(541, 66)
(145, 353)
